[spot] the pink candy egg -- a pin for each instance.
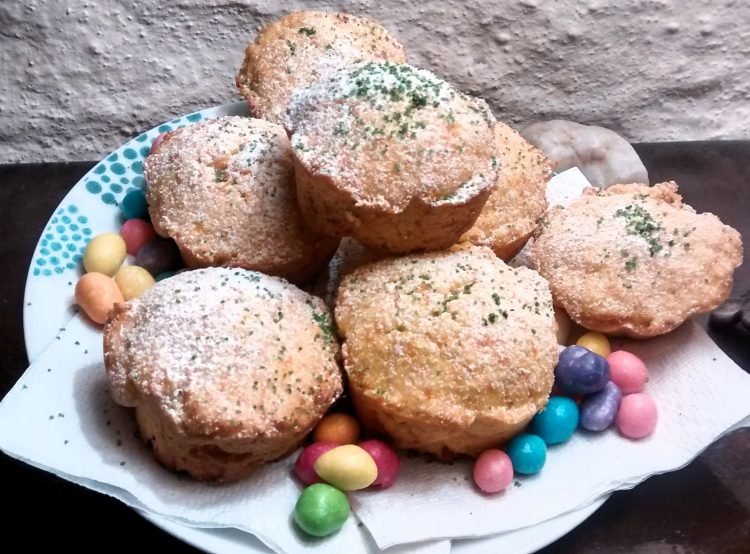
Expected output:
(637, 416)
(157, 141)
(386, 459)
(627, 371)
(136, 233)
(304, 466)
(493, 471)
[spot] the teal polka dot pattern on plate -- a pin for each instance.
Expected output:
(60, 242)
(69, 230)
(93, 187)
(125, 165)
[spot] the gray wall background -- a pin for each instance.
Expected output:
(78, 78)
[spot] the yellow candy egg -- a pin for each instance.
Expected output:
(347, 467)
(96, 294)
(133, 281)
(596, 342)
(104, 254)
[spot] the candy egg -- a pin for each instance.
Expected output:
(528, 453)
(136, 233)
(337, 428)
(596, 342)
(599, 410)
(97, 294)
(386, 459)
(637, 416)
(304, 465)
(158, 256)
(558, 420)
(134, 205)
(627, 371)
(104, 254)
(165, 275)
(347, 467)
(581, 371)
(493, 471)
(321, 510)
(133, 281)
(157, 141)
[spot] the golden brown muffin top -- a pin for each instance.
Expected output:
(390, 133)
(224, 190)
(302, 47)
(456, 335)
(225, 353)
(515, 207)
(635, 260)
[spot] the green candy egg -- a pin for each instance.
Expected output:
(321, 510)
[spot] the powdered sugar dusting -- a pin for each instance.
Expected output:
(303, 47)
(387, 133)
(224, 190)
(634, 260)
(230, 347)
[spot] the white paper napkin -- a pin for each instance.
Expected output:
(700, 393)
(60, 418)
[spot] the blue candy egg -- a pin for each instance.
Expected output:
(165, 275)
(581, 371)
(557, 422)
(134, 205)
(528, 453)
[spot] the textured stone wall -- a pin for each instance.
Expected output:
(77, 78)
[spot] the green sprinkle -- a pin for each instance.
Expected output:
(325, 324)
(639, 222)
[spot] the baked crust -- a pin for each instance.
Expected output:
(392, 156)
(448, 352)
(300, 48)
(634, 260)
(227, 369)
(224, 190)
(517, 204)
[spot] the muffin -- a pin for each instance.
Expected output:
(302, 47)
(224, 190)
(634, 260)
(517, 204)
(227, 369)
(447, 352)
(392, 156)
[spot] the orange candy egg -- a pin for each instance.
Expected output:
(97, 294)
(338, 429)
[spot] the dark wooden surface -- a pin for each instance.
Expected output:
(701, 508)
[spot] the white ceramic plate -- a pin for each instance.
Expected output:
(91, 208)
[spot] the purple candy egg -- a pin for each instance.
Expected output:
(599, 410)
(581, 371)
